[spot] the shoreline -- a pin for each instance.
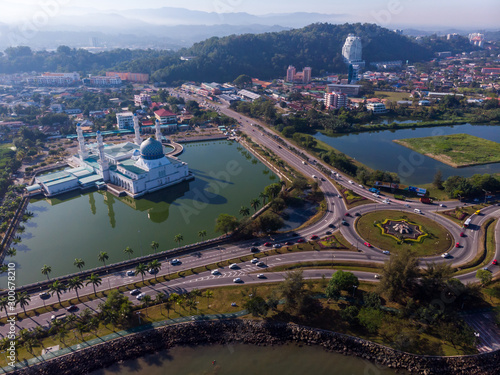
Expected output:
(261, 333)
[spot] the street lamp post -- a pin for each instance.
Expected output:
(139, 316)
(485, 193)
(459, 198)
(354, 290)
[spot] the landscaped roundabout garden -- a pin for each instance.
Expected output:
(395, 230)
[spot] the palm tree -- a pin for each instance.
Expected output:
(79, 263)
(159, 299)
(255, 203)
(195, 293)
(23, 299)
(62, 333)
(168, 306)
(244, 211)
(202, 234)
(191, 304)
(46, 270)
(128, 250)
(11, 252)
(57, 288)
(4, 303)
(209, 294)
(147, 299)
(103, 257)
(141, 270)
(178, 238)
(74, 284)
(174, 298)
(263, 196)
(154, 266)
(95, 280)
(155, 245)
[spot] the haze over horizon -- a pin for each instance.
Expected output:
(426, 14)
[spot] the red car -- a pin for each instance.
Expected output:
(368, 244)
(300, 240)
(495, 262)
(457, 244)
(347, 214)
(314, 237)
(268, 244)
(462, 234)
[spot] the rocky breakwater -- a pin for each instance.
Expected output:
(255, 333)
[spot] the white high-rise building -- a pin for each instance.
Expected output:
(290, 73)
(125, 120)
(352, 50)
(335, 100)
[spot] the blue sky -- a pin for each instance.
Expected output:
(449, 13)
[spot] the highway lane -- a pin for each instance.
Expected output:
(246, 271)
(336, 210)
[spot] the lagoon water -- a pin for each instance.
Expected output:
(82, 225)
(246, 360)
(378, 151)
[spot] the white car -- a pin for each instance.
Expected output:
(131, 273)
(350, 182)
(261, 276)
(175, 262)
(445, 255)
(261, 264)
(135, 291)
(386, 252)
(215, 272)
(236, 280)
(233, 266)
(140, 296)
(361, 186)
(377, 276)
(314, 176)
(255, 261)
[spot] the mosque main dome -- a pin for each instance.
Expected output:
(151, 149)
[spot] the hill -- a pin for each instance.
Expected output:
(268, 55)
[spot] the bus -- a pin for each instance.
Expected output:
(467, 222)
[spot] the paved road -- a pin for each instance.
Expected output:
(336, 210)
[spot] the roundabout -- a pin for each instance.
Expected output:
(395, 230)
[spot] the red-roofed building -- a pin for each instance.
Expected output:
(167, 119)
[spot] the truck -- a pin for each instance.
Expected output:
(425, 200)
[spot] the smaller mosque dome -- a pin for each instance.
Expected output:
(151, 149)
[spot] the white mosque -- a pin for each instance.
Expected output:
(127, 168)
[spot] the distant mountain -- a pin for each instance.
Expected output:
(180, 16)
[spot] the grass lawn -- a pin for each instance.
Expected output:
(460, 214)
(438, 240)
(457, 150)
(392, 96)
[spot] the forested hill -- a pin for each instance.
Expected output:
(267, 55)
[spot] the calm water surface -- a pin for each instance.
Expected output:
(81, 226)
(246, 360)
(378, 151)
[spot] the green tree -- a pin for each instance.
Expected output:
(154, 266)
(372, 300)
(292, 290)
(209, 294)
(155, 245)
(484, 276)
(117, 309)
(244, 211)
(11, 252)
(344, 280)
(46, 270)
(226, 223)
(178, 238)
(103, 257)
(269, 222)
(4, 305)
(57, 288)
(141, 269)
(128, 250)
(255, 204)
(438, 179)
(399, 275)
(350, 315)
(147, 300)
(95, 280)
(23, 299)
(257, 306)
(79, 263)
(370, 318)
(74, 284)
(202, 234)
